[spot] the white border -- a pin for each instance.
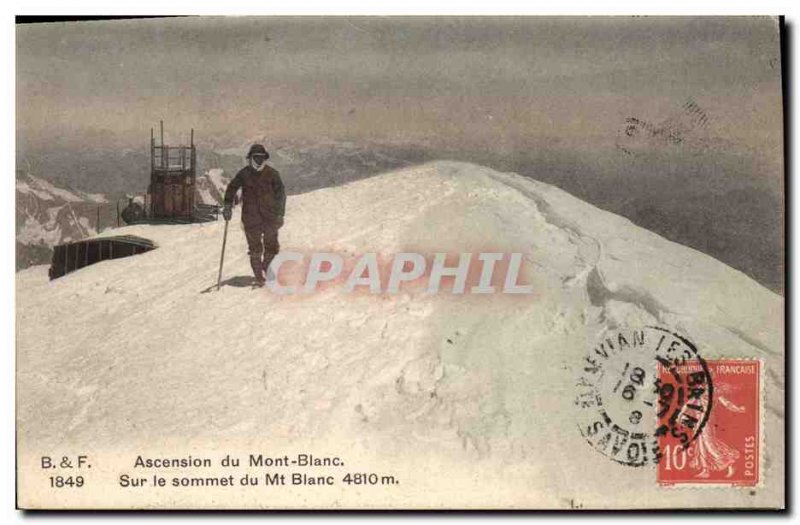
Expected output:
(791, 8)
(405, 7)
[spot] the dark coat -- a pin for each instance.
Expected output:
(263, 196)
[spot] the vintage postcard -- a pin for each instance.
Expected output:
(400, 263)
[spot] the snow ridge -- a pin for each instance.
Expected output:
(482, 381)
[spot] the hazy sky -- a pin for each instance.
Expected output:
(450, 81)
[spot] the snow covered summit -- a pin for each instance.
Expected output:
(130, 351)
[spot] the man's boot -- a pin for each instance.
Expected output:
(270, 275)
(258, 271)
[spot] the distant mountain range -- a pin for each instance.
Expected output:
(47, 215)
(306, 165)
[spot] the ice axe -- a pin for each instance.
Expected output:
(222, 255)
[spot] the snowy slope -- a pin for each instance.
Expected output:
(479, 390)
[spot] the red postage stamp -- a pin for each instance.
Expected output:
(727, 450)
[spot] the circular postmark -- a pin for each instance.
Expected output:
(638, 385)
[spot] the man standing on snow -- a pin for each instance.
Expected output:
(263, 207)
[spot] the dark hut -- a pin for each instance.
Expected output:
(75, 255)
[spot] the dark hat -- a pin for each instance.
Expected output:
(257, 149)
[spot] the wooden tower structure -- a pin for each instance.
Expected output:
(172, 179)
